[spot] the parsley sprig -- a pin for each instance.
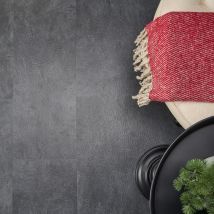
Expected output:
(196, 184)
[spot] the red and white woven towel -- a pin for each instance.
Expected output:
(175, 58)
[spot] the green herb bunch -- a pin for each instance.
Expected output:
(196, 184)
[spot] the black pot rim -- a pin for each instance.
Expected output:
(195, 127)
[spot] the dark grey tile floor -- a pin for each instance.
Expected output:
(70, 135)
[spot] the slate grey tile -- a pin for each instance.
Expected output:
(44, 187)
(111, 135)
(103, 189)
(44, 77)
(5, 157)
(6, 81)
(105, 41)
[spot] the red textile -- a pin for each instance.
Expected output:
(181, 57)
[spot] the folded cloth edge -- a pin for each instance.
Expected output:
(142, 66)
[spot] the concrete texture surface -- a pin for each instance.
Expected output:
(70, 135)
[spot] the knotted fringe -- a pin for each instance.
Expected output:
(141, 64)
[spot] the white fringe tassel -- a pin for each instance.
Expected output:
(141, 64)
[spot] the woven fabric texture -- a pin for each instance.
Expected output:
(180, 53)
